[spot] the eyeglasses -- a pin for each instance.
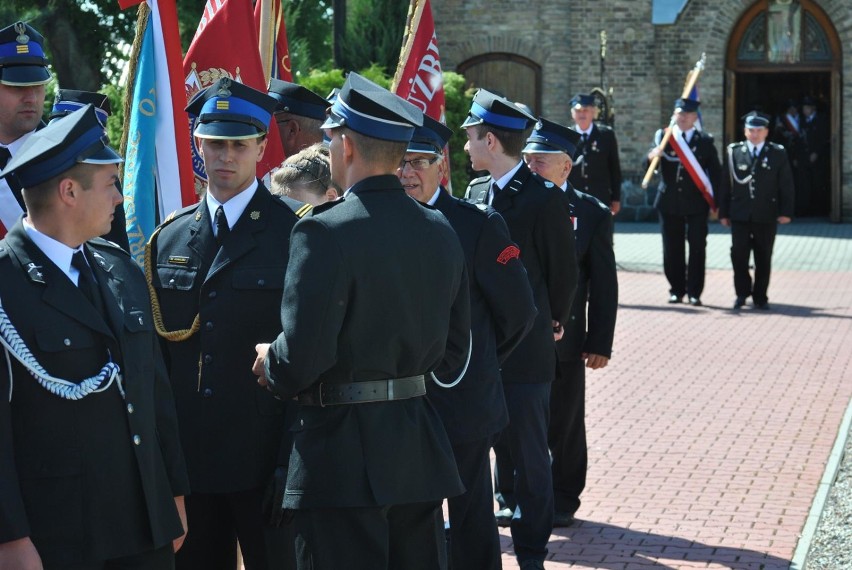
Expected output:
(418, 163)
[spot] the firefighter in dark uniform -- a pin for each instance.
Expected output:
(90, 458)
(587, 342)
(597, 168)
(502, 311)
(23, 76)
(68, 101)
(217, 271)
(683, 208)
(539, 223)
(376, 299)
(817, 139)
(757, 193)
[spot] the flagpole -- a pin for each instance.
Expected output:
(691, 78)
(266, 38)
(415, 12)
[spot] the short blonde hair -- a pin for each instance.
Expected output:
(309, 169)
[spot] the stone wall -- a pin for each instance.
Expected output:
(646, 65)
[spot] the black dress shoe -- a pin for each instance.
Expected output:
(695, 301)
(563, 519)
(504, 517)
(739, 303)
(675, 298)
(762, 306)
(532, 565)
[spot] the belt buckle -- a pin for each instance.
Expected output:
(319, 392)
(390, 389)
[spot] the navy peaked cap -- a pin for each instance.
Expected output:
(22, 59)
(230, 110)
(755, 120)
(430, 138)
(296, 99)
(582, 100)
(497, 111)
(372, 111)
(550, 137)
(69, 100)
(78, 138)
(684, 105)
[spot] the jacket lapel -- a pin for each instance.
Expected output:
(109, 285)
(241, 239)
(505, 199)
(59, 292)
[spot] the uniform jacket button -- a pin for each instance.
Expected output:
(137, 440)
(208, 325)
(67, 342)
(207, 393)
(208, 358)
(130, 408)
(261, 282)
(211, 294)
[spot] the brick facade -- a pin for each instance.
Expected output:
(646, 64)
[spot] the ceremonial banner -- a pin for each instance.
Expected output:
(272, 40)
(418, 78)
(157, 169)
(225, 45)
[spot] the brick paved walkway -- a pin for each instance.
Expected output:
(710, 430)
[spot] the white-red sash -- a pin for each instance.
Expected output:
(691, 165)
(791, 124)
(10, 210)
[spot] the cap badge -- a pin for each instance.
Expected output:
(223, 91)
(538, 126)
(22, 38)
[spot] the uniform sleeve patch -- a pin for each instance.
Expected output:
(511, 252)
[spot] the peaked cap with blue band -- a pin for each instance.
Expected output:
(22, 60)
(77, 139)
(373, 111)
(431, 138)
(230, 110)
(755, 120)
(69, 100)
(492, 109)
(582, 100)
(550, 138)
(684, 105)
(298, 100)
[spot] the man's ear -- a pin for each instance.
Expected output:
(331, 194)
(348, 148)
(261, 148)
(68, 190)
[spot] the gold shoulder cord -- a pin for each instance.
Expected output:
(174, 336)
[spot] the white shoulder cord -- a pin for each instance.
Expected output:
(734, 177)
(13, 345)
(464, 370)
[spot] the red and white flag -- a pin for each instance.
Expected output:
(213, 54)
(419, 78)
(272, 40)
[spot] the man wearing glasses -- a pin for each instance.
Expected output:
(502, 311)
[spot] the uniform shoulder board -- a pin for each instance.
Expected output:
(736, 144)
(296, 206)
(603, 127)
(105, 243)
(708, 136)
(303, 211)
(478, 208)
(776, 146)
(326, 206)
(543, 181)
(182, 212)
(593, 200)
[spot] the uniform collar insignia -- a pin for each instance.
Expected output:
(255, 215)
(198, 215)
(35, 273)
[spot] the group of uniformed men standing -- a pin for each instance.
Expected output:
(394, 344)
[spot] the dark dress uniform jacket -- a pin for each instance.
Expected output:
(502, 311)
(598, 282)
(599, 171)
(376, 288)
(773, 194)
(92, 478)
(231, 427)
(678, 195)
(538, 218)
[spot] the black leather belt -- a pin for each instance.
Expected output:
(363, 392)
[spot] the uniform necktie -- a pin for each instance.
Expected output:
(585, 138)
(86, 281)
(5, 155)
(755, 153)
(222, 229)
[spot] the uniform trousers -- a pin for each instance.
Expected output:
(748, 237)
(394, 537)
(523, 479)
(684, 278)
(162, 558)
(218, 520)
(566, 435)
(474, 540)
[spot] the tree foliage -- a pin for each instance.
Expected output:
(374, 30)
